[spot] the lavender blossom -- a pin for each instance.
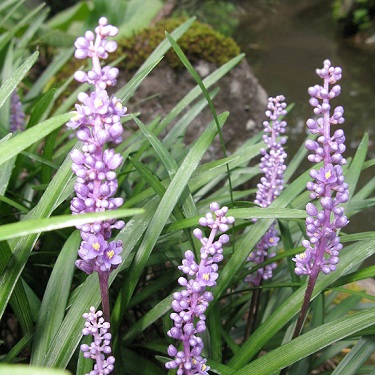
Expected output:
(100, 346)
(190, 304)
(17, 116)
(323, 246)
(97, 121)
(271, 185)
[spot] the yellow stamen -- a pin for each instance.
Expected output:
(118, 105)
(204, 367)
(302, 256)
(328, 175)
(194, 361)
(271, 239)
(76, 116)
(206, 276)
(98, 102)
(96, 246)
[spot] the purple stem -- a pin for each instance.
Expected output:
(103, 283)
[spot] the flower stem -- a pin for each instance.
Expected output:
(103, 283)
(306, 301)
(253, 312)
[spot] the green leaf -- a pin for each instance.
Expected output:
(164, 156)
(138, 15)
(214, 323)
(70, 331)
(361, 236)
(12, 82)
(55, 298)
(59, 60)
(357, 356)
(139, 365)
(40, 108)
(298, 157)
(309, 343)
(249, 241)
(355, 168)
(22, 247)
(350, 257)
(27, 227)
(164, 46)
(196, 77)
(18, 299)
(23, 140)
(17, 348)
(361, 274)
(161, 215)
(127, 91)
(196, 91)
(30, 370)
(149, 318)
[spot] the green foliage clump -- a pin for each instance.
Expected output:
(354, 16)
(200, 42)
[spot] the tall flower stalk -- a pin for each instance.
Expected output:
(326, 219)
(191, 302)
(272, 165)
(97, 121)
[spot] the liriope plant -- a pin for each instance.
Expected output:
(166, 189)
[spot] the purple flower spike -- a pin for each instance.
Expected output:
(17, 116)
(191, 303)
(271, 184)
(328, 184)
(101, 344)
(97, 121)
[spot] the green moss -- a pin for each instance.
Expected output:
(200, 42)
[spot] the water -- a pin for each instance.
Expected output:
(284, 43)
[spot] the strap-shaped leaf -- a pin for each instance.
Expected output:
(167, 203)
(357, 356)
(12, 82)
(309, 343)
(350, 257)
(27, 227)
(55, 298)
(23, 140)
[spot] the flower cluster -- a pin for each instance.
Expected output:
(100, 346)
(323, 246)
(17, 116)
(270, 185)
(191, 303)
(97, 120)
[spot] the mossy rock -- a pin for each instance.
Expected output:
(200, 42)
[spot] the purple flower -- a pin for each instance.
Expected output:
(17, 116)
(101, 344)
(94, 246)
(271, 184)
(328, 183)
(97, 121)
(190, 304)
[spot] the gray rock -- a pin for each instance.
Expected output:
(240, 94)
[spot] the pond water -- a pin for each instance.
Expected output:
(285, 41)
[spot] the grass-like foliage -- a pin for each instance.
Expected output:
(198, 304)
